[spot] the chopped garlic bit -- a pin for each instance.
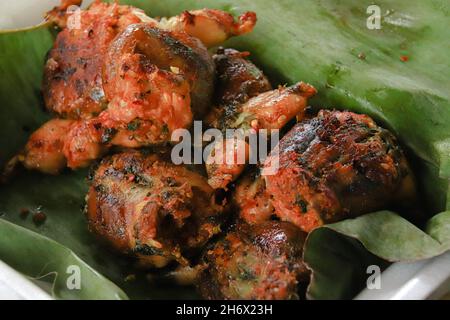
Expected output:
(175, 69)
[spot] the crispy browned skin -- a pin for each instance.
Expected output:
(272, 110)
(244, 98)
(238, 80)
(63, 142)
(128, 82)
(335, 166)
(243, 101)
(211, 26)
(251, 198)
(73, 82)
(44, 149)
(226, 161)
(145, 206)
(150, 78)
(72, 85)
(143, 52)
(86, 141)
(255, 262)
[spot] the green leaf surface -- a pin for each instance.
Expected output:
(22, 56)
(318, 41)
(32, 252)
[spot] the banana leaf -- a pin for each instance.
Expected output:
(50, 262)
(340, 253)
(397, 74)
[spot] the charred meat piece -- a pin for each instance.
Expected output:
(86, 141)
(129, 80)
(271, 110)
(72, 85)
(244, 100)
(152, 209)
(238, 80)
(226, 162)
(150, 78)
(251, 199)
(255, 262)
(44, 149)
(335, 166)
(62, 142)
(210, 26)
(140, 62)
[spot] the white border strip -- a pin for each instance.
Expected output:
(15, 286)
(428, 279)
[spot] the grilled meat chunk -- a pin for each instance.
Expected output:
(336, 166)
(72, 85)
(263, 261)
(147, 207)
